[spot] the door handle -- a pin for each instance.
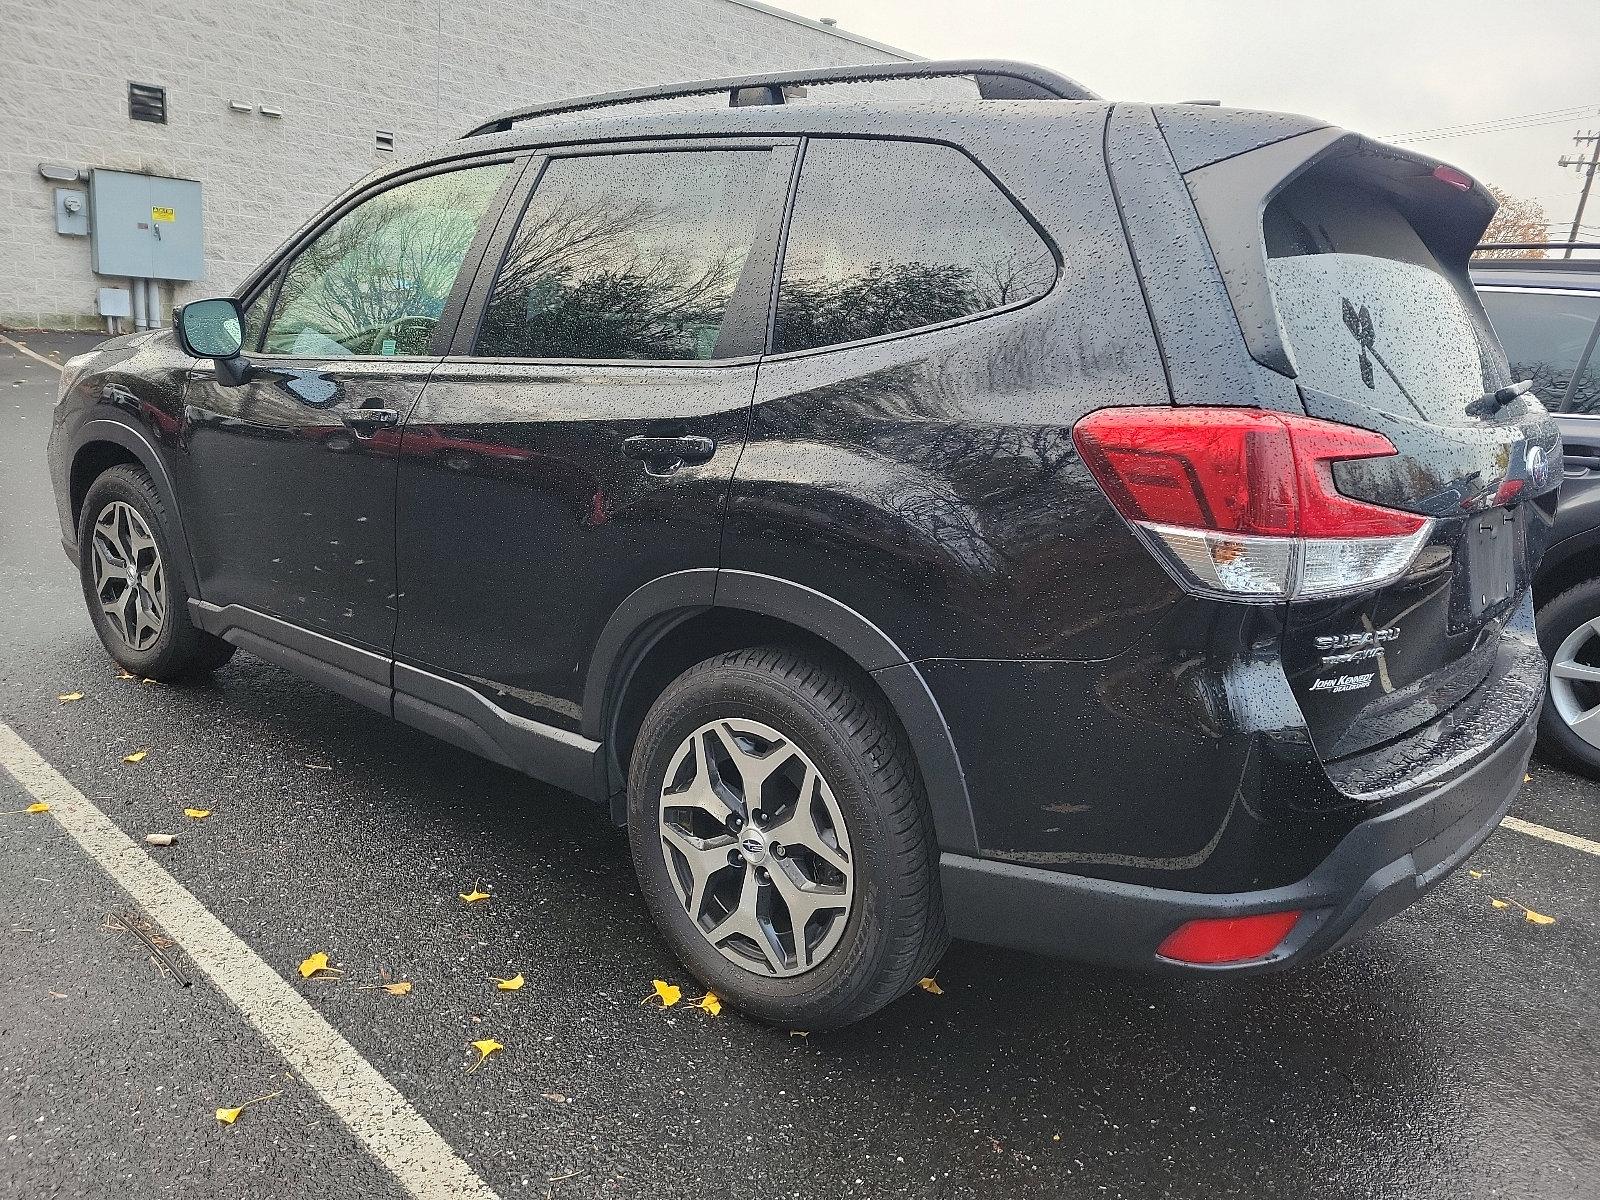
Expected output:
(663, 455)
(369, 418)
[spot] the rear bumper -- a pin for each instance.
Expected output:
(1380, 867)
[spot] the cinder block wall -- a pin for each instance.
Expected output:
(339, 71)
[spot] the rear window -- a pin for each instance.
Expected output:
(1364, 305)
(1546, 336)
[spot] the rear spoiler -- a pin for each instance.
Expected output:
(1448, 210)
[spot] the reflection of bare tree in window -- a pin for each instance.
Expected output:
(599, 279)
(376, 282)
(882, 298)
(626, 258)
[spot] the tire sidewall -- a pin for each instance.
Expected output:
(132, 488)
(694, 701)
(1556, 620)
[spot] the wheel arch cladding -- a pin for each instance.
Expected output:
(101, 445)
(678, 620)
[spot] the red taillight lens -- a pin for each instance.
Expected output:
(1199, 468)
(1228, 939)
(1243, 502)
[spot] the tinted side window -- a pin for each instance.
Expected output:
(1545, 337)
(376, 280)
(627, 256)
(890, 236)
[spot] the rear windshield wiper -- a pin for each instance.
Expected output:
(1490, 403)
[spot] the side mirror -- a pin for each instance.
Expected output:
(214, 329)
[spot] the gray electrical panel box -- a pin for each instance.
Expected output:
(145, 226)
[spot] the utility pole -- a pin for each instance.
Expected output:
(1588, 166)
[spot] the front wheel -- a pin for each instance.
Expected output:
(782, 839)
(1569, 635)
(138, 604)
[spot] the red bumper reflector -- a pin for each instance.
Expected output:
(1228, 939)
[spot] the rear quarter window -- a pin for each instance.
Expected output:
(888, 237)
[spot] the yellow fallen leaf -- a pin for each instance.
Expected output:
(123, 675)
(147, 681)
(668, 993)
(1537, 918)
(509, 985)
(930, 985)
(1527, 779)
(38, 806)
(69, 697)
(229, 1115)
(199, 814)
(316, 963)
(1474, 874)
(709, 1003)
(1499, 903)
(474, 895)
(136, 757)
(484, 1048)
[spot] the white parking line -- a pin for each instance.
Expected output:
(364, 1100)
(21, 349)
(1552, 835)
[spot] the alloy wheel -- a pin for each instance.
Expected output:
(128, 581)
(756, 846)
(1575, 681)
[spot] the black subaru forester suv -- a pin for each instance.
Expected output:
(1095, 528)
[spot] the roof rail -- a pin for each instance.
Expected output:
(1536, 246)
(997, 79)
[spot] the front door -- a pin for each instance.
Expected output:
(288, 480)
(580, 442)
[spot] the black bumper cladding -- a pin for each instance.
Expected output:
(1380, 867)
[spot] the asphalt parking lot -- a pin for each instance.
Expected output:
(1455, 1052)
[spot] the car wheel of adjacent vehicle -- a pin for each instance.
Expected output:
(137, 602)
(782, 839)
(1569, 635)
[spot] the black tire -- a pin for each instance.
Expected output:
(1558, 618)
(894, 932)
(180, 650)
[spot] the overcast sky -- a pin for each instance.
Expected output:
(1382, 68)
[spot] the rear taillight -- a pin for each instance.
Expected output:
(1242, 504)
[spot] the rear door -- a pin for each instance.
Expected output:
(1386, 334)
(1346, 262)
(579, 440)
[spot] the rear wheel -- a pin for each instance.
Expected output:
(1569, 635)
(138, 604)
(782, 840)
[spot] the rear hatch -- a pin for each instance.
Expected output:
(1353, 282)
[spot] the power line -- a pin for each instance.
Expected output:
(1496, 125)
(1507, 128)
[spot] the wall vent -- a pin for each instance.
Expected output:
(147, 102)
(384, 141)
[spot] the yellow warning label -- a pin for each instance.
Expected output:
(163, 214)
